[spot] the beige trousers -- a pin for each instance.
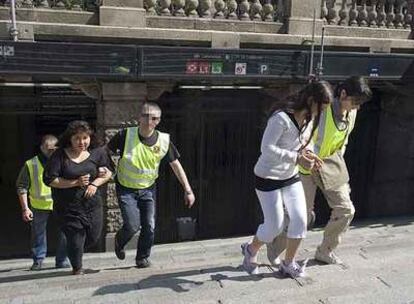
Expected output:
(342, 213)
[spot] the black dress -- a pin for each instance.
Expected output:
(73, 210)
(80, 218)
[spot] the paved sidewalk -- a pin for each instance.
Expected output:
(379, 268)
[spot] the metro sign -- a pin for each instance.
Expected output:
(192, 67)
(6, 50)
(204, 68)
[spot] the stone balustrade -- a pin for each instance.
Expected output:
(255, 10)
(89, 5)
(392, 14)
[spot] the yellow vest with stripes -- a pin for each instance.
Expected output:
(327, 139)
(40, 195)
(139, 164)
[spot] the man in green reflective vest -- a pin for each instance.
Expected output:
(30, 188)
(142, 149)
(329, 143)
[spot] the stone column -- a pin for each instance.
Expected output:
(126, 13)
(300, 17)
(118, 105)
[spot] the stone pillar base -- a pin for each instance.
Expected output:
(303, 26)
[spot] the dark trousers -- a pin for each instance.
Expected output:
(80, 239)
(138, 212)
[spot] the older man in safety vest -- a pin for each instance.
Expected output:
(30, 188)
(142, 149)
(329, 143)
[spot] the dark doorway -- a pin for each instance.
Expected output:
(26, 114)
(218, 134)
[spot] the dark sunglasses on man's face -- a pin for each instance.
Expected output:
(149, 116)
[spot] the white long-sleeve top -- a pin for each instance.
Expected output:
(279, 148)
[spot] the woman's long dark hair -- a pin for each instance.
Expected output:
(319, 92)
(75, 127)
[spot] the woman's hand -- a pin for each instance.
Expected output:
(318, 162)
(90, 190)
(305, 161)
(83, 180)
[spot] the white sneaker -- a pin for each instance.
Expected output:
(249, 261)
(327, 257)
(293, 270)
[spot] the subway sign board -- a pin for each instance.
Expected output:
(117, 62)
(206, 63)
(44, 58)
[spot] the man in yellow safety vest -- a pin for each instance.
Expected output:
(30, 188)
(329, 143)
(142, 149)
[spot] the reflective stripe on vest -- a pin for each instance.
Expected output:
(327, 138)
(40, 195)
(139, 164)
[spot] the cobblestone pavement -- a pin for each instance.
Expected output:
(378, 257)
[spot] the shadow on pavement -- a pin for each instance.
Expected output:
(38, 275)
(178, 282)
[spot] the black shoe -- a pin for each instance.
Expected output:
(143, 263)
(119, 252)
(78, 271)
(36, 266)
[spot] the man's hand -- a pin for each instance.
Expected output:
(102, 172)
(27, 215)
(189, 198)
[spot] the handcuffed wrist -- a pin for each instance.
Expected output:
(92, 184)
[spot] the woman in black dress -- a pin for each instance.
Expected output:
(75, 172)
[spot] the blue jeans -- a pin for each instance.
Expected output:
(138, 212)
(39, 238)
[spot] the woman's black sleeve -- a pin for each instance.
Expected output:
(53, 167)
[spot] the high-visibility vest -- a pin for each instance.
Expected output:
(139, 164)
(327, 139)
(40, 195)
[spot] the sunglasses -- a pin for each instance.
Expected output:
(149, 116)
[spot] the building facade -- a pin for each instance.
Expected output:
(214, 66)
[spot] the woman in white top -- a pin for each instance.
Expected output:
(278, 186)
